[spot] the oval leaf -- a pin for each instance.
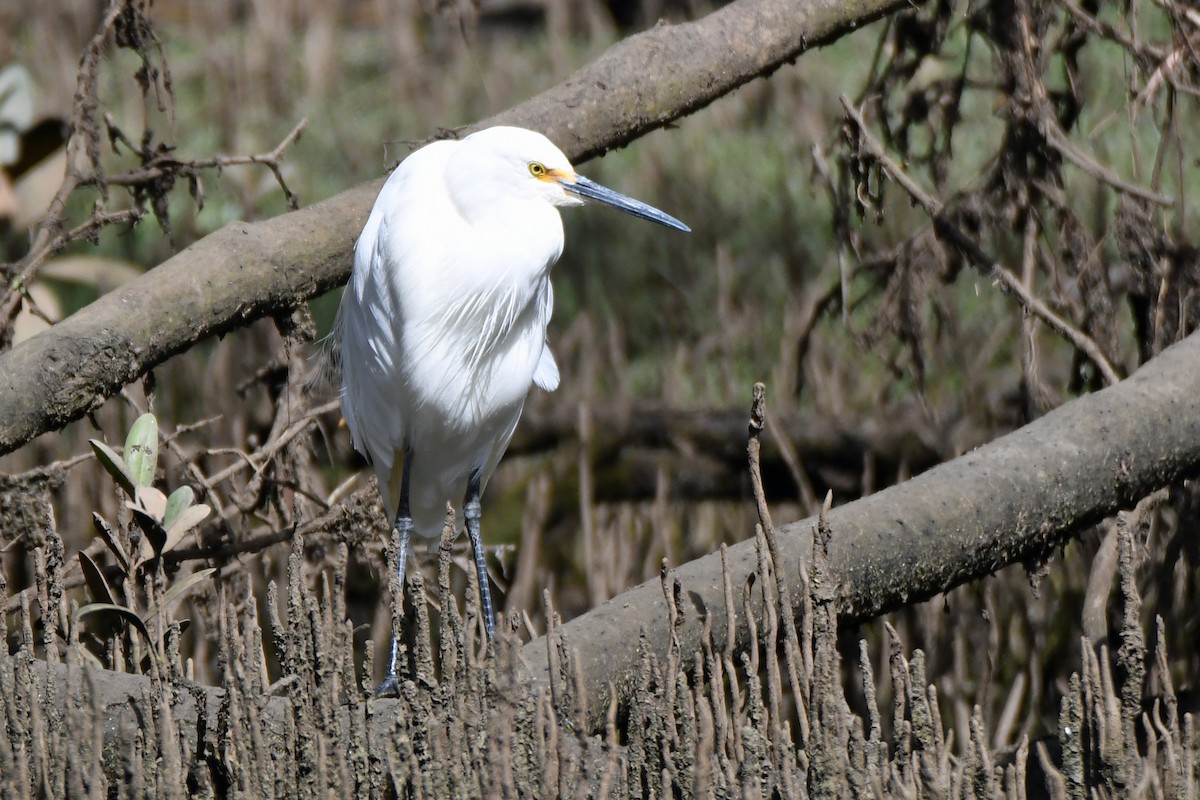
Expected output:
(113, 464)
(141, 449)
(97, 585)
(179, 500)
(190, 518)
(124, 613)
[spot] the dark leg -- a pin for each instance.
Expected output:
(472, 514)
(404, 526)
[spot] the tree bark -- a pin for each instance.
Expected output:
(246, 271)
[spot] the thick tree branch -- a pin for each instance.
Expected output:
(250, 270)
(1010, 501)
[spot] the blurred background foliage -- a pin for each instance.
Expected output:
(858, 326)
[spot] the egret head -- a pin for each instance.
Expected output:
(515, 163)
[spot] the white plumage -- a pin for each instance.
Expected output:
(442, 327)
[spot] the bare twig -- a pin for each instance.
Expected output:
(163, 164)
(1059, 141)
(782, 568)
(1107, 31)
(260, 459)
(19, 286)
(1057, 138)
(1164, 73)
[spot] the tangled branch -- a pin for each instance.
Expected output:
(947, 228)
(147, 186)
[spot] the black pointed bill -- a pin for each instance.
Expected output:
(591, 190)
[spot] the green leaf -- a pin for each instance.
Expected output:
(177, 591)
(97, 585)
(126, 615)
(179, 500)
(141, 449)
(113, 464)
(190, 518)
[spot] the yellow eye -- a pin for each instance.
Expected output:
(537, 169)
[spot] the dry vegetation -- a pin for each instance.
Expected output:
(995, 221)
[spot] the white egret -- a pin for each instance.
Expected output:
(442, 326)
